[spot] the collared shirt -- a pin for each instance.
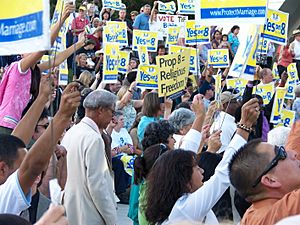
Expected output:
(141, 22)
(226, 123)
(79, 23)
(191, 141)
(270, 211)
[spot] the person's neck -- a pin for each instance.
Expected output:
(117, 129)
(206, 97)
(121, 18)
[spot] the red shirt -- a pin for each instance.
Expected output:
(98, 44)
(79, 23)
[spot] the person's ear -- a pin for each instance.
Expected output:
(3, 171)
(270, 181)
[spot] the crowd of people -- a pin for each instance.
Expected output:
(90, 145)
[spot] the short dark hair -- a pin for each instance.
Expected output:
(244, 168)
(234, 27)
(9, 148)
(151, 104)
(8, 219)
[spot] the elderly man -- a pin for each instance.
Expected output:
(268, 177)
(89, 192)
(266, 75)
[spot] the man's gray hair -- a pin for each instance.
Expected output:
(278, 136)
(99, 98)
(181, 117)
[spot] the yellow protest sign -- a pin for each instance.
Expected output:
(292, 72)
(172, 72)
(112, 4)
(218, 86)
(147, 77)
(196, 34)
(292, 81)
(277, 105)
(146, 38)
(237, 83)
(266, 91)
(167, 7)
(143, 55)
(216, 12)
(262, 46)
(124, 57)
(218, 58)
(186, 7)
(115, 31)
(110, 63)
(173, 35)
(276, 27)
(287, 118)
(193, 55)
(275, 71)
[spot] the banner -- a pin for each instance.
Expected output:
(186, 7)
(237, 84)
(218, 12)
(275, 71)
(124, 57)
(196, 34)
(266, 91)
(23, 23)
(165, 21)
(110, 63)
(167, 7)
(243, 53)
(173, 35)
(277, 105)
(115, 31)
(143, 55)
(172, 73)
(146, 38)
(218, 58)
(147, 77)
(112, 4)
(276, 27)
(287, 118)
(194, 60)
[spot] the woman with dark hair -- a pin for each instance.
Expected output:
(142, 167)
(233, 39)
(217, 38)
(175, 189)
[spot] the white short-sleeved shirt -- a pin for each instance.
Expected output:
(12, 197)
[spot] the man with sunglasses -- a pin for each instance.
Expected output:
(268, 177)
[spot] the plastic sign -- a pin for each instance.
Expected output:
(143, 55)
(167, 7)
(237, 84)
(173, 35)
(194, 58)
(276, 27)
(217, 12)
(112, 4)
(120, 35)
(186, 7)
(196, 34)
(147, 77)
(266, 91)
(165, 21)
(110, 63)
(277, 105)
(124, 57)
(287, 118)
(146, 38)
(218, 58)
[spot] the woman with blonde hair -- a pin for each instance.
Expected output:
(86, 78)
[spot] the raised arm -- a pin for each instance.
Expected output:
(25, 128)
(38, 157)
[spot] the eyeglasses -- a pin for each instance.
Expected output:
(113, 112)
(280, 155)
(43, 125)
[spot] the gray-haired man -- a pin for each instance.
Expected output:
(89, 193)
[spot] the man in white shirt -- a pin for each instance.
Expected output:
(89, 192)
(295, 49)
(225, 121)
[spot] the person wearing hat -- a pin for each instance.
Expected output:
(97, 37)
(225, 120)
(208, 93)
(133, 14)
(295, 49)
(79, 23)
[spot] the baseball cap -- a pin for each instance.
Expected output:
(82, 8)
(227, 96)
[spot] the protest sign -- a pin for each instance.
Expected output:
(124, 57)
(292, 81)
(186, 7)
(218, 86)
(173, 35)
(262, 46)
(146, 38)
(218, 58)
(237, 84)
(112, 4)
(147, 77)
(110, 63)
(277, 105)
(165, 21)
(217, 12)
(23, 23)
(172, 72)
(194, 58)
(196, 34)
(143, 55)
(266, 91)
(275, 71)
(287, 118)
(115, 31)
(276, 27)
(166, 7)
